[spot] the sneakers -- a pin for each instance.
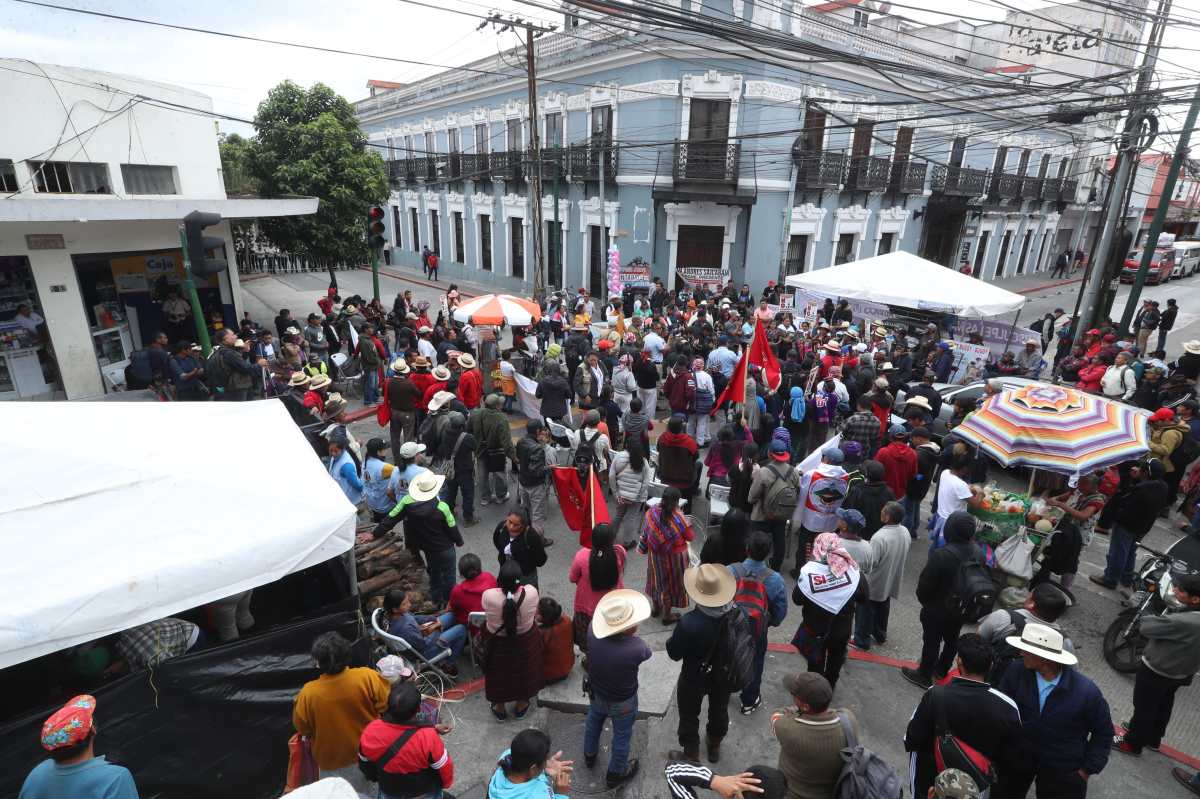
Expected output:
(616, 780)
(1185, 779)
(916, 678)
(864, 646)
(1098, 579)
(1121, 745)
(484, 501)
(748, 709)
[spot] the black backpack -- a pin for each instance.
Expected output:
(531, 461)
(1003, 652)
(1186, 452)
(216, 375)
(730, 662)
(585, 454)
(974, 593)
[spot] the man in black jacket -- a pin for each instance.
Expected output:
(925, 389)
(869, 497)
(554, 392)
(918, 486)
(973, 711)
(940, 619)
(429, 530)
(533, 462)
(1128, 516)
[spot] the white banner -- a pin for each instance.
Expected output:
(996, 335)
(969, 360)
(814, 458)
(862, 309)
(531, 406)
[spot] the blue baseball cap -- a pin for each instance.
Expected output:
(833, 455)
(852, 518)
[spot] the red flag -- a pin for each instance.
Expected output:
(570, 496)
(735, 390)
(597, 509)
(762, 356)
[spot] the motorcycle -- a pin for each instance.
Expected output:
(1152, 596)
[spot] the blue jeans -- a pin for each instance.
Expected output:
(623, 714)
(750, 694)
(871, 621)
(1122, 551)
(440, 566)
(450, 493)
(453, 634)
(370, 386)
(912, 514)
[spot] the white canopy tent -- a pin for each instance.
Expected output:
(901, 278)
(115, 514)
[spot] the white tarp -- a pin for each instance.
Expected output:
(901, 278)
(115, 514)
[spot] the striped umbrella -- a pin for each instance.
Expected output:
(493, 309)
(1056, 428)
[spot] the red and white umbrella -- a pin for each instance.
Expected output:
(493, 309)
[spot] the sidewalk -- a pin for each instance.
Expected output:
(1037, 283)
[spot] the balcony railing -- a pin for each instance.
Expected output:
(1050, 189)
(583, 162)
(475, 166)
(908, 177)
(707, 162)
(868, 173)
(1005, 185)
(507, 164)
(1070, 188)
(399, 171)
(959, 181)
(453, 163)
(1031, 188)
(554, 164)
(820, 169)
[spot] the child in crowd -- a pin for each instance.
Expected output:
(558, 647)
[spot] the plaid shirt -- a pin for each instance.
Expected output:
(149, 644)
(862, 427)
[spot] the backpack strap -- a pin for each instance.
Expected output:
(851, 738)
(940, 723)
(396, 746)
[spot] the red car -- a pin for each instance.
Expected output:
(1161, 265)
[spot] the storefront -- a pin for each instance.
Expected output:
(27, 366)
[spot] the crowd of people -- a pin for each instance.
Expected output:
(1008, 691)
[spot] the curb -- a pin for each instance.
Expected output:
(1045, 286)
(416, 281)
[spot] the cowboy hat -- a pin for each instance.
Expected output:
(400, 366)
(319, 382)
(298, 379)
(420, 362)
(441, 373)
(710, 585)
(440, 399)
(1045, 642)
(920, 402)
(292, 331)
(833, 346)
(426, 485)
(619, 610)
(424, 329)
(1192, 347)
(351, 309)
(466, 361)
(335, 404)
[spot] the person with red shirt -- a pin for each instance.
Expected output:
(831, 358)
(899, 461)
(405, 756)
(467, 597)
(318, 388)
(441, 377)
(470, 382)
(1090, 375)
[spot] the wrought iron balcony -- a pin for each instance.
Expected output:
(959, 181)
(868, 173)
(554, 164)
(1031, 188)
(908, 177)
(1005, 186)
(1070, 188)
(707, 162)
(475, 166)
(399, 171)
(454, 165)
(1050, 189)
(583, 161)
(507, 164)
(820, 169)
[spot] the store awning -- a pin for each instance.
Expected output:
(106, 208)
(115, 514)
(907, 280)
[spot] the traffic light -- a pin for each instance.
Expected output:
(375, 228)
(199, 245)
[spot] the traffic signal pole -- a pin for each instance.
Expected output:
(375, 273)
(189, 287)
(1160, 213)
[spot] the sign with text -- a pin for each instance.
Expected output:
(998, 336)
(862, 309)
(636, 274)
(696, 276)
(969, 360)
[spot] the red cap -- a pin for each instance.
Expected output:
(1163, 415)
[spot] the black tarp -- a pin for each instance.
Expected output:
(213, 723)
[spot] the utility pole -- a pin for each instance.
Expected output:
(603, 227)
(1127, 153)
(535, 183)
(1160, 213)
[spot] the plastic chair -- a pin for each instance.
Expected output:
(475, 622)
(399, 646)
(718, 505)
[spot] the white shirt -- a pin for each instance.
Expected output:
(1119, 382)
(598, 375)
(953, 493)
(704, 381)
(654, 344)
(425, 347)
(30, 322)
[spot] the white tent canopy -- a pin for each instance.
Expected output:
(901, 278)
(115, 514)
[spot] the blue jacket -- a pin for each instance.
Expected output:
(777, 599)
(1073, 731)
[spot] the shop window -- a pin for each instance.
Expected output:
(8, 176)
(70, 177)
(146, 179)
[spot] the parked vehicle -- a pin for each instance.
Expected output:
(1187, 259)
(1162, 264)
(1152, 596)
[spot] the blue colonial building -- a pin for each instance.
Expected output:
(696, 158)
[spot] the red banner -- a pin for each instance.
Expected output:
(762, 356)
(735, 390)
(581, 509)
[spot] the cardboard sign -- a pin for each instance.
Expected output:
(996, 335)
(969, 360)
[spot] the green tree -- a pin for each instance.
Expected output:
(308, 143)
(235, 164)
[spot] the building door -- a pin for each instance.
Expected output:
(416, 229)
(940, 233)
(485, 242)
(797, 255)
(1005, 243)
(981, 253)
(516, 246)
(1024, 252)
(901, 153)
(595, 267)
(957, 151)
(708, 135)
(552, 240)
(699, 247)
(814, 128)
(435, 233)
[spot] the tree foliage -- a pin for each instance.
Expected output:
(308, 143)
(235, 164)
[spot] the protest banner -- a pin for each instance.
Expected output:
(998, 336)
(787, 304)
(636, 274)
(969, 360)
(696, 276)
(862, 309)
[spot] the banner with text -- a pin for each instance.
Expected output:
(862, 309)
(996, 335)
(969, 360)
(695, 276)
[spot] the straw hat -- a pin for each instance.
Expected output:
(351, 309)
(1045, 642)
(920, 402)
(440, 399)
(833, 346)
(420, 362)
(441, 373)
(1192, 347)
(292, 331)
(619, 610)
(400, 366)
(466, 361)
(710, 585)
(335, 404)
(426, 485)
(298, 379)
(319, 382)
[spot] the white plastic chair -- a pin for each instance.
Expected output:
(399, 646)
(718, 505)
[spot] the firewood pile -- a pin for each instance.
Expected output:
(385, 565)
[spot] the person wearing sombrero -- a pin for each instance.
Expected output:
(470, 381)
(315, 393)
(712, 587)
(73, 768)
(1066, 728)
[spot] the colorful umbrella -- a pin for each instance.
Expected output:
(493, 309)
(1056, 428)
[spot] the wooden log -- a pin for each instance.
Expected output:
(385, 578)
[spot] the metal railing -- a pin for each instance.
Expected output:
(507, 164)
(1050, 189)
(1005, 185)
(908, 177)
(707, 162)
(821, 169)
(1031, 188)
(1070, 188)
(959, 181)
(583, 162)
(475, 166)
(868, 172)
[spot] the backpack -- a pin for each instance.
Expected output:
(730, 662)
(1003, 652)
(704, 399)
(864, 774)
(950, 751)
(974, 593)
(531, 461)
(585, 453)
(1185, 453)
(1038, 325)
(751, 597)
(781, 497)
(215, 373)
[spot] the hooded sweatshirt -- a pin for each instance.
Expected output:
(821, 493)
(500, 787)
(937, 579)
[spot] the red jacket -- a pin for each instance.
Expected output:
(1089, 378)
(422, 380)
(681, 392)
(422, 751)
(470, 388)
(670, 439)
(899, 466)
(433, 388)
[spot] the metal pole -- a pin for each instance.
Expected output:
(1160, 213)
(603, 228)
(556, 236)
(189, 286)
(539, 280)
(375, 272)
